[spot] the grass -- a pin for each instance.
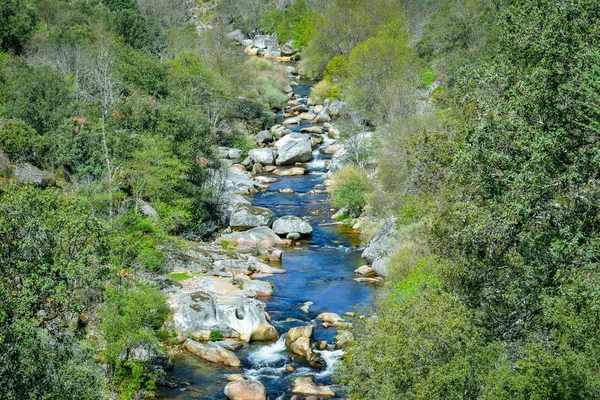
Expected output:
(180, 276)
(427, 77)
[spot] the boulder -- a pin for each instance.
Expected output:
(330, 318)
(272, 52)
(146, 209)
(332, 148)
(364, 270)
(298, 341)
(293, 148)
(322, 117)
(300, 108)
(212, 352)
(298, 332)
(289, 224)
(317, 130)
(293, 236)
(258, 288)
(235, 378)
(236, 36)
(245, 390)
(306, 116)
(263, 137)
(231, 345)
(27, 173)
(382, 246)
(245, 216)
(260, 236)
(264, 156)
(295, 171)
(336, 108)
(257, 168)
(292, 121)
(264, 41)
(198, 313)
(305, 386)
(238, 182)
(288, 51)
(234, 154)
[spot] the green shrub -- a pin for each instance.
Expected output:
(350, 189)
(20, 142)
(215, 336)
(180, 276)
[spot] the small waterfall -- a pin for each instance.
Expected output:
(269, 355)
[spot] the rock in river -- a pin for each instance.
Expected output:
(305, 386)
(212, 352)
(237, 316)
(260, 236)
(263, 156)
(289, 224)
(245, 216)
(293, 148)
(245, 390)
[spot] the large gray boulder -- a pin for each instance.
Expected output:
(264, 137)
(289, 224)
(264, 41)
(245, 216)
(263, 156)
(240, 183)
(293, 148)
(27, 173)
(196, 314)
(381, 247)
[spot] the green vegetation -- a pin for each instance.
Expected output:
(215, 336)
(351, 189)
(123, 103)
(180, 276)
(492, 179)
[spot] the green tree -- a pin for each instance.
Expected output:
(40, 96)
(17, 22)
(53, 257)
(20, 142)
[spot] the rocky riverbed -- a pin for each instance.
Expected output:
(267, 306)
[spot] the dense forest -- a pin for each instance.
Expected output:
(471, 128)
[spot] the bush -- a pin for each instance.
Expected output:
(20, 142)
(350, 190)
(215, 336)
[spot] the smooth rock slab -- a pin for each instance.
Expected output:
(305, 386)
(260, 288)
(245, 390)
(289, 224)
(212, 352)
(331, 318)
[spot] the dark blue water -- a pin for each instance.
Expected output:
(319, 269)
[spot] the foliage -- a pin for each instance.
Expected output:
(180, 276)
(17, 22)
(424, 346)
(350, 189)
(47, 279)
(130, 322)
(215, 336)
(40, 96)
(20, 142)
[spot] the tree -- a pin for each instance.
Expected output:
(40, 96)
(20, 142)
(17, 22)
(54, 256)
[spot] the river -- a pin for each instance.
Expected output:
(320, 270)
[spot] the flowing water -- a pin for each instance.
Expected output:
(320, 270)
